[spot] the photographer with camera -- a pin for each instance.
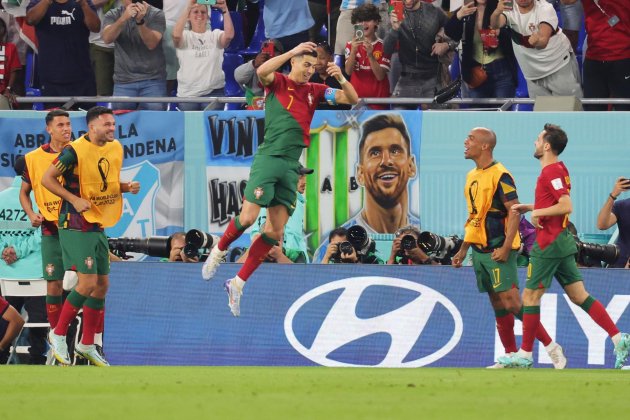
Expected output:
(351, 246)
(617, 212)
(406, 249)
(491, 231)
(245, 74)
(177, 251)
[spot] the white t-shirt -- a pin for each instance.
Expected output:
(534, 63)
(200, 63)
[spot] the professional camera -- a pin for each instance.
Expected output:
(592, 255)
(440, 247)
(408, 242)
(156, 246)
(196, 240)
(358, 237)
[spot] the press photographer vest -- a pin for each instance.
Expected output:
(99, 168)
(37, 162)
(481, 185)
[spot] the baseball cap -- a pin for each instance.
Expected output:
(305, 171)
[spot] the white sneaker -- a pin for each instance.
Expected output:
(557, 356)
(234, 297)
(90, 352)
(59, 347)
(499, 365)
(211, 264)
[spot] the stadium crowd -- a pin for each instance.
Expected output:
(161, 48)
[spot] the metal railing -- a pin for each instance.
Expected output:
(502, 104)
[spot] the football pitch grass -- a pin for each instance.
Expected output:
(82, 392)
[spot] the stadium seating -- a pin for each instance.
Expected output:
(232, 88)
(30, 79)
(258, 38)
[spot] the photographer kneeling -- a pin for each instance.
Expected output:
(350, 246)
(405, 248)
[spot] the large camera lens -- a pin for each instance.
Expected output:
(199, 238)
(358, 237)
(587, 253)
(156, 246)
(346, 247)
(408, 242)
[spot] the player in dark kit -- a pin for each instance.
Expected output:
(553, 254)
(289, 107)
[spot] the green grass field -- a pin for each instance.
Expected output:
(122, 393)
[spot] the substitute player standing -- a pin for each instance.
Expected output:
(289, 107)
(553, 253)
(91, 201)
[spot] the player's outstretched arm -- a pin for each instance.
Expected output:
(347, 95)
(267, 69)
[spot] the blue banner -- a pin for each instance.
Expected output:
(337, 315)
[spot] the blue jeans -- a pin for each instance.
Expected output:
(143, 88)
(198, 106)
(499, 84)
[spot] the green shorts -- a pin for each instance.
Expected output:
(273, 181)
(85, 252)
(52, 260)
(495, 276)
(541, 271)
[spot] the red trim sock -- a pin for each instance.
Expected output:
(101, 322)
(542, 335)
(598, 313)
(233, 231)
(69, 311)
(53, 309)
(90, 322)
(505, 328)
(531, 322)
(257, 253)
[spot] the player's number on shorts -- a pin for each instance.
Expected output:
(496, 274)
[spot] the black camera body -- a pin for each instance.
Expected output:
(359, 241)
(408, 242)
(197, 240)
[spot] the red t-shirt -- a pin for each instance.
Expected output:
(553, 183)
(9, 62)
(362, 78)
(3, 306)
(605, 42)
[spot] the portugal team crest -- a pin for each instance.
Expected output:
(258, 192)
(50, 269)
(89, 262)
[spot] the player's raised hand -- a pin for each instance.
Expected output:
(304, 47)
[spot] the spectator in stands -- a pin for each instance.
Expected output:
(11, 324)
(63, 29)
(542, 50)
(406, 250)
(22, 260)
(139, 67)
(488, 65)
(200, 55)
(9, 66)
(101, 53)
(419, 36)
(366, 63)
(320, 16)
(325, 56)
(607, 63)
(13, 34)
(172, 11)
(287, 21)
(345, 29)
(571, 15)
(245, 74)
(617, 212)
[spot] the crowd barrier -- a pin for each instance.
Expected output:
(337, 315)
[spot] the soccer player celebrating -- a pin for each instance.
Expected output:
(492, 231)
(37, 162)
(553, 253)
(91, 201)
(289, 107)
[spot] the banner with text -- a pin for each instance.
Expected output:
(348, 186)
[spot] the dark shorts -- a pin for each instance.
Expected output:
(85, 252)
(52, 259)
(495, 276)
(541, 271)
(273, 181)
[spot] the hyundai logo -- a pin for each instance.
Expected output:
(342, 326)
